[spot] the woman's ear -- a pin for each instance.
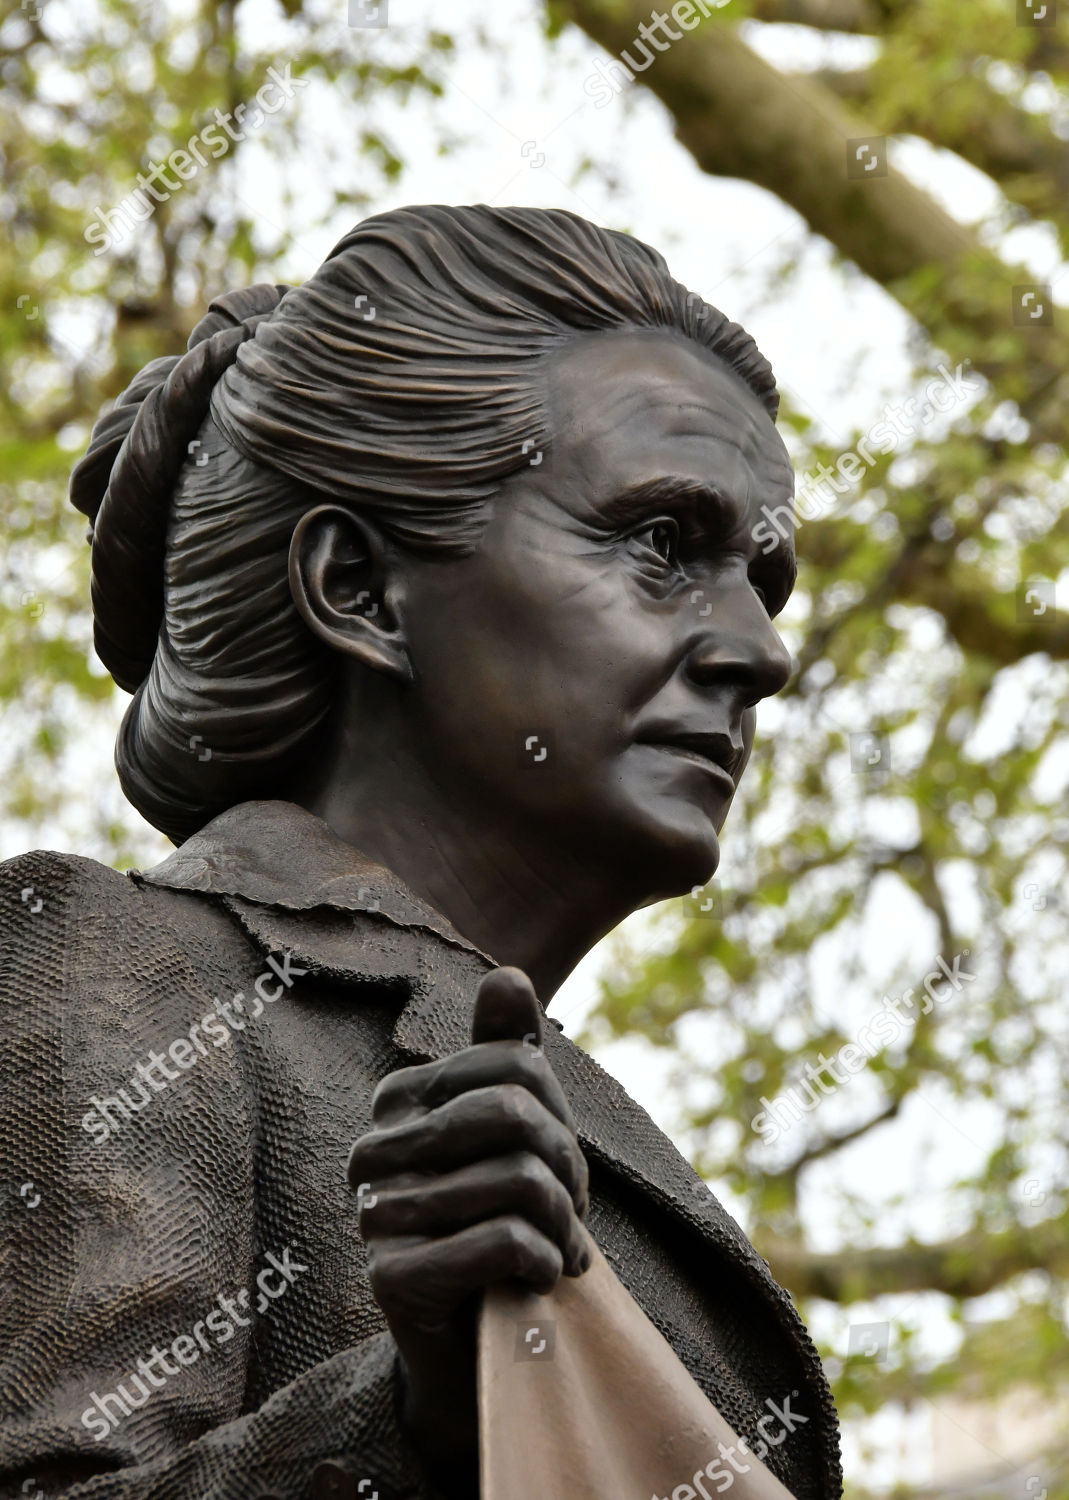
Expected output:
(346, 588)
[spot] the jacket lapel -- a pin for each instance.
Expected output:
(435, 978)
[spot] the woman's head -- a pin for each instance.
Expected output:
(405, 384)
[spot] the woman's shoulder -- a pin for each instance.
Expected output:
(77, 915)
(49, 880)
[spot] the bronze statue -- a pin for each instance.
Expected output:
(435, 585)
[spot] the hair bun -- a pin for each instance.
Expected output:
(125, 482)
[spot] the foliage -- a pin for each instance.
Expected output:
(843, 881)
(88, 100)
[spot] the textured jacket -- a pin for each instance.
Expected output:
(188, 1055)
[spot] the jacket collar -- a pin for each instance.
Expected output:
(280, 855)
(296, 887)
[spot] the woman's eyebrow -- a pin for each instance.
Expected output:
(666, 492)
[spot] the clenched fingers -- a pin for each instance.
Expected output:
(422, 1283)
(483, 1123)
(427, 1086)
(519, 1183)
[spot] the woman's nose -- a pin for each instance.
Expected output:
(740, 644)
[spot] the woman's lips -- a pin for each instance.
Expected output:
(697, 758)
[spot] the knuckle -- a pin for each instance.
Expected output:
(531, 1173)
(529, 1252)
(526, 1064)
(384, 1091)
(391, 1092)
(516, 1236)
(516, 1105)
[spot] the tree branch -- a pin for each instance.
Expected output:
(969, 1266)
(828, 1145)
(917, 1053)
(856, 16)
(739, 117)
(1014, 147)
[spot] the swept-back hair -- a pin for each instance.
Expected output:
(404, 381)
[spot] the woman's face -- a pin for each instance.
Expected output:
(587, 678)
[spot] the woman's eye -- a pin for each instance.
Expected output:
(663, 538)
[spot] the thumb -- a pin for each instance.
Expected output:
(507, 1009)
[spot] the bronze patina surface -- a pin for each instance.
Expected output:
(435, 585)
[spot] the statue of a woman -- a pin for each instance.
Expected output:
(435, 584)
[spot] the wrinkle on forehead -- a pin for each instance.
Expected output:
(604, 380)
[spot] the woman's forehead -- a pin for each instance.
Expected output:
(617, 394)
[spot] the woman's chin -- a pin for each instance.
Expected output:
(679, 853)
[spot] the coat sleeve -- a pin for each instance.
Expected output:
(127, 1262)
